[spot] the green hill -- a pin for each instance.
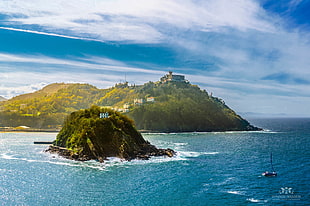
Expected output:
(46, 91)
(169, 105)
(87, 135)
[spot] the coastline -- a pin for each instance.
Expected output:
(141, 131)
(29, 130)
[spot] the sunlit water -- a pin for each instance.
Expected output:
(209, 169)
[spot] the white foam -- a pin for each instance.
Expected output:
(211, 153)
(181, 143)
(243, 132)
(224, 181)
(235, 192)
(8, 157)
(117, 162)
(109, 163)
(194, 154)
(255, 200)
(79, 164)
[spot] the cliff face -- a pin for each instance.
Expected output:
(97, 133)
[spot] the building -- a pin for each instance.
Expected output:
(150, 99)
(138, 101)
(126, 107)
(173, 78)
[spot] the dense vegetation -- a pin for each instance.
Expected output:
(87, 135)
(181, 107)
(48, 107)
(177, 106)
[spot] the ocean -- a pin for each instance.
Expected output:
(222, 168)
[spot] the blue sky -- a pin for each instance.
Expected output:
(255, 54)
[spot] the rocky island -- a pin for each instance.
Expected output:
(98, 133)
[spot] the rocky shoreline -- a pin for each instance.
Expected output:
(145, 153)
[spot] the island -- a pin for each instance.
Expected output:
(98, 133)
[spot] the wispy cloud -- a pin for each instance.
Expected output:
(46, 33)
(82, 64)
(136, 20)
(293, 4)
(101, 72)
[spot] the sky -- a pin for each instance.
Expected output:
(254, 54)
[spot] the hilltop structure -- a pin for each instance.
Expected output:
(173, 78)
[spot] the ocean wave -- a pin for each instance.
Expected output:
(194, 154)
(224, 182)
(235, 192)
(117, 162)
(59, 161)
(8, 157)
(12, 157)
(264, 131)
(110, 162)
(180, 143)
(93, 165)
(255, 200)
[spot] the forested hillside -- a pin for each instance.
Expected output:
(154, 106)
(182, 107)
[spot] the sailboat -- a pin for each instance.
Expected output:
(270, 174)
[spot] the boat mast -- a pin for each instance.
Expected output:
(271, 161)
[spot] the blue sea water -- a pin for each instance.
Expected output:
(210, 169)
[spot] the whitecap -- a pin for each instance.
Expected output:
(109, 162)
(8, 157)
(255, 200)
(234, 192)
(180, 143)
(194, 154)
(210, 153)
(224, 181)
(117, 162)
(265, 131)
(72, 163)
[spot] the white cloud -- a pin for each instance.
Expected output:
(293, 4)
(11, 91)
(46, 33)
(136, 20)
(101, 72)
(242, 40)
(261, 97)
(22, 82)
(94, 63)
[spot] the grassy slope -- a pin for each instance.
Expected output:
(178, 106)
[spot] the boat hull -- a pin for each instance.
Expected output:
(269, 174)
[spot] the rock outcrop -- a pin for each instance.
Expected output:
(98, 133)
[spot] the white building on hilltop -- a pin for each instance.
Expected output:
(173, 78)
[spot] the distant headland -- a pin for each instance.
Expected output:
(171, 104)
